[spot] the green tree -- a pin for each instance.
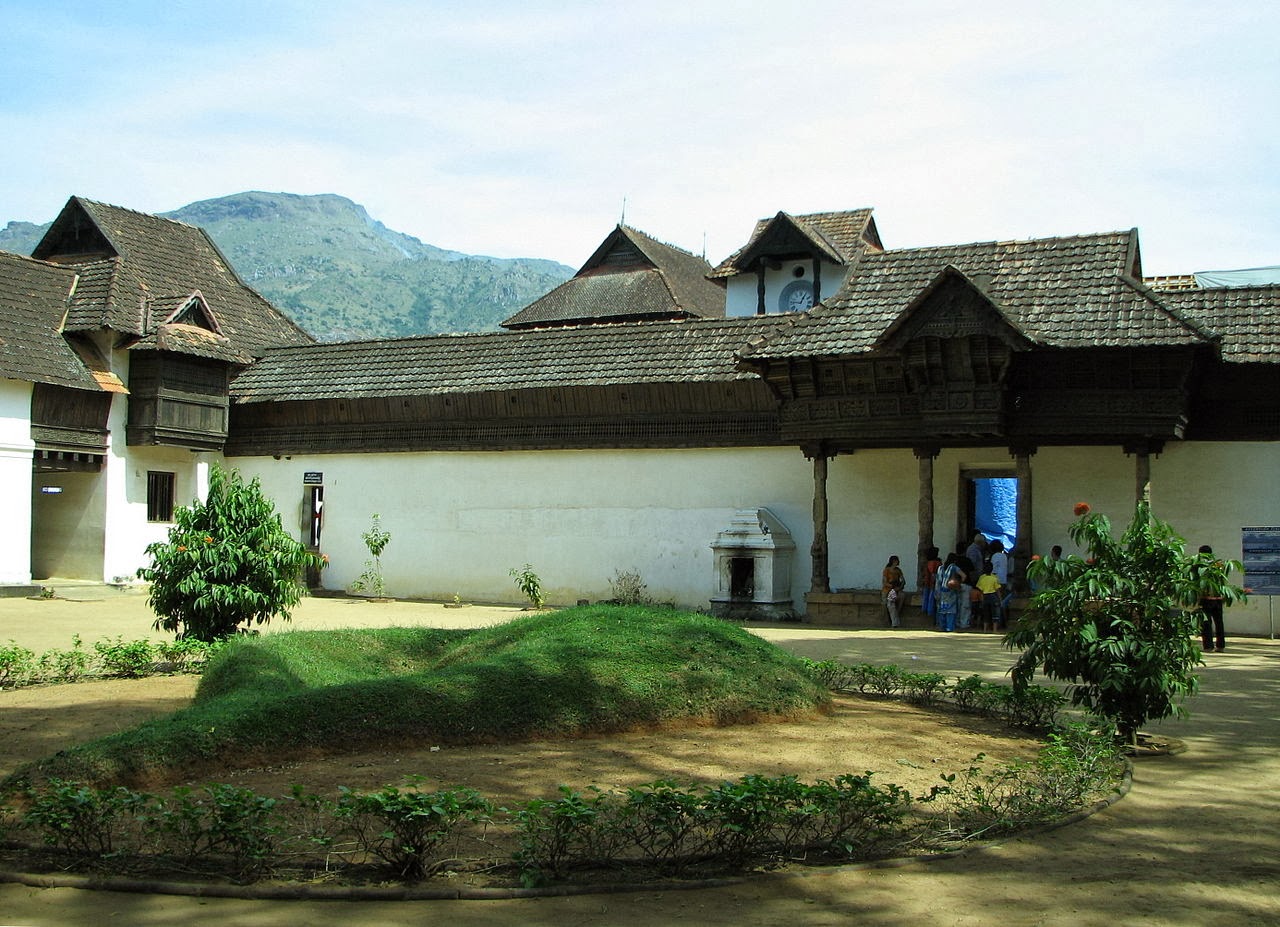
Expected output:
(1121, 625)
(228, 563)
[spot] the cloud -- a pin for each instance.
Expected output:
(518, 129)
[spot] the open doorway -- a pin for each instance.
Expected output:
(989, 504)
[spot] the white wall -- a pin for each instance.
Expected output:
(460, 521)
(16, 448)
(741, 291)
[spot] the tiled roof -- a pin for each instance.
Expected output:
(33, 300)
(842, 234)
(154, 259)
(191, 339)
(1245, 319)
(1057, 292)
(670, 283)
(592, 355)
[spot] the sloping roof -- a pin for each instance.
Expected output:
(1245, 319)
(838, 236)
(663, 281)
(135, 263)
(33, 301)
(1058, 292)
(688, 350)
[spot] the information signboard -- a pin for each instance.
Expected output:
(1260, 553)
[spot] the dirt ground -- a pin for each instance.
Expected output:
(1195, 842)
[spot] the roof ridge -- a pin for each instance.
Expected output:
(84, 200)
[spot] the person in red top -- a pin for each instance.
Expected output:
(929, 583)
(892, 585)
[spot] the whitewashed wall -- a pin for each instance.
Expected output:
(16, 449)
(741, 291)
(460, 521)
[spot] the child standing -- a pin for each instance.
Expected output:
(989, 587)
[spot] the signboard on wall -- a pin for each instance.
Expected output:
(1260, 553)
(312, 478)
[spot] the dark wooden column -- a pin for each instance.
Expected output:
(1142, 451)
(821, 580)
(924, 509)
(1022, 546)
(817, 281)
(760, 307)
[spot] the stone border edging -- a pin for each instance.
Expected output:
(303, 892)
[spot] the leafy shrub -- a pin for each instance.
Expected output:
(128, 659)
(83, 821)
(228, 563)
(17, 665)
(1117, 626)
(555, 834)
(404, 828)
(65, 665)
(224, 821)
(663, 823)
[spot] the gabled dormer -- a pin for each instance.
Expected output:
(792, 262)
(192, 309)
(956, 346)
(630, 277)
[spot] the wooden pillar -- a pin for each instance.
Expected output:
(1022, 545)
(1142, 450)
(817, 281)
(760, 307)
(924, 510)
(821, 579)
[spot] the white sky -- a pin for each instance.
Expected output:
(517, 128)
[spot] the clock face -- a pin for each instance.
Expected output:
(796, 296)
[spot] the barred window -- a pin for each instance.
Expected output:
(160, 485)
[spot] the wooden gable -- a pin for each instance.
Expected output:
(783, 239)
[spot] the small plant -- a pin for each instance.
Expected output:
(234, 823)
(404, 828)
(46, 592)
(529, 584)
(628, 588)
(65, 665)
(130, 659)
(557, 834)
(84, 821)
(376, 540)
(17, 665)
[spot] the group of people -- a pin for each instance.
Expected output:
(969, 589)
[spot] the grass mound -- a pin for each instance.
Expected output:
(591, 669)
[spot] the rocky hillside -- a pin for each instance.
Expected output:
(342, 275)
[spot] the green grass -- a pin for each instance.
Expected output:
(584, 670)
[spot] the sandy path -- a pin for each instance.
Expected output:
(1196, 842)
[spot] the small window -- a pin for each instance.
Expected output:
(159, 495)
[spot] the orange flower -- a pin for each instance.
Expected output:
(1035, 556)
(182, 547)
(208, 538)
(1081, 508)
